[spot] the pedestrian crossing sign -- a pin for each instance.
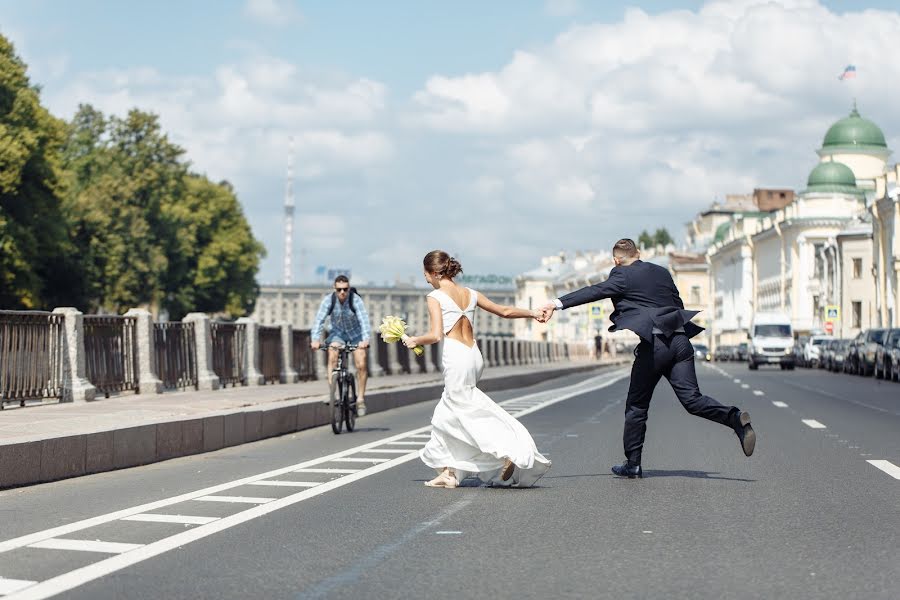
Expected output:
(596, 311)
(832, 313)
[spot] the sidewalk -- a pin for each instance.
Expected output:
(45, 443)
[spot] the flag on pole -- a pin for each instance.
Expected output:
(849, 73)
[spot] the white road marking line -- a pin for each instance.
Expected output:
(448, 532)
(646, 531)
(386, 451)
(737, 380)
(85, 545)
(286, 483)
(234, 499)
(572, 435)
(421, 435)
(406, 443)
(78, 577)
(326, 470)
(758, 393)
(813, 423)
(159, 518)
(745, 386)
(360, 460)
(779, 403)
(8, 586)
(886, 466)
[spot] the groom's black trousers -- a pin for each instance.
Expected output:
(672, 358)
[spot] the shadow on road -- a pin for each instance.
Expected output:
(692, 475)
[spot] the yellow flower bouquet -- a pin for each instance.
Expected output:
(392, 331)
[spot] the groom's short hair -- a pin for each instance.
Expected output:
(625, 248)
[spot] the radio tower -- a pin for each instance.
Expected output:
(289, 214)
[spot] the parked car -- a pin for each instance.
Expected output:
(851, 356)
(701, 352)
(827, 353)
(872, 339)
(722, 353)
(812, 350)
(837, 353)
(743, 352)
(894, 373)
(884, 365)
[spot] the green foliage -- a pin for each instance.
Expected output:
(660, 237)
(103, 214)
(32, 231)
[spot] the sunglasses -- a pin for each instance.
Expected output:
(342, 290)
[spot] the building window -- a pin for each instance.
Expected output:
(695, 294)
(857, 315)
(857, 268)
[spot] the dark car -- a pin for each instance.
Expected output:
(701, 352)
(743, 351)
(885, 365)
(851, 356)
(868, 346)
(837, 355)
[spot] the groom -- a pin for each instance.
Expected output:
(646, 301)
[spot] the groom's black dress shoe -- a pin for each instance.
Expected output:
(744, 430)
(626, 469)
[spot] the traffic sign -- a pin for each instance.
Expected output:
(832, 313)
(596, 311)
(829, 327)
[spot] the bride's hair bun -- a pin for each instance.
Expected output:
(438, 261)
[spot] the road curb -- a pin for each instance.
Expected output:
(64, 457)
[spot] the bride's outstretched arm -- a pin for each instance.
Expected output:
(435, 333)
(507, 312)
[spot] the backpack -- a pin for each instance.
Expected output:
(350, 295)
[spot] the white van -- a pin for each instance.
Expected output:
(771, 341)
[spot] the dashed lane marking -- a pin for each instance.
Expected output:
(745, 386)
(85, 545)
(286, 483)
(886, 466)
(9, 586)
(758, 393)
(182, 519)
(813, 423)
(234, 499)
(779, 404)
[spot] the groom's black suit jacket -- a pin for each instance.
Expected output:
(644, 296)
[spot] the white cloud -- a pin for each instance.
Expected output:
(607, 129)
(277, 13)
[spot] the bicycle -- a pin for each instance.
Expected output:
(342, 392)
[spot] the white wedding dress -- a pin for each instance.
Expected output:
(470, 433)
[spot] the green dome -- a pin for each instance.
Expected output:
(854, 132)
(832, 177)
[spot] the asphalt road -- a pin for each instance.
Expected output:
(808, 516)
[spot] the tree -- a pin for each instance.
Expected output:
(662, 237)
(123, 171)
(33, 252)
(217, 255)
(150, 232)
(645, 240)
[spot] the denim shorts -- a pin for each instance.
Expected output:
(342, 339)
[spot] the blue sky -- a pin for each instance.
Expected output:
(501, 131)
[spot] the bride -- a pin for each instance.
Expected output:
(470, 433)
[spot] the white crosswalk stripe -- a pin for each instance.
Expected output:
(183, 519)
(85, 545)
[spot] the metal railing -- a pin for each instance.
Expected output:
(303, 356)
(270, 353)
(31, 356)
(229, 352)
(176, 354)
(110, 352)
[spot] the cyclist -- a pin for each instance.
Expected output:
(349, 325)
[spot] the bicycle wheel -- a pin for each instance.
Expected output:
(337, 416)
(350, 402)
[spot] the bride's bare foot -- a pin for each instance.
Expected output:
(446, 479)
(507, 471)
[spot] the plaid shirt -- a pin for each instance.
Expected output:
(342, 318)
